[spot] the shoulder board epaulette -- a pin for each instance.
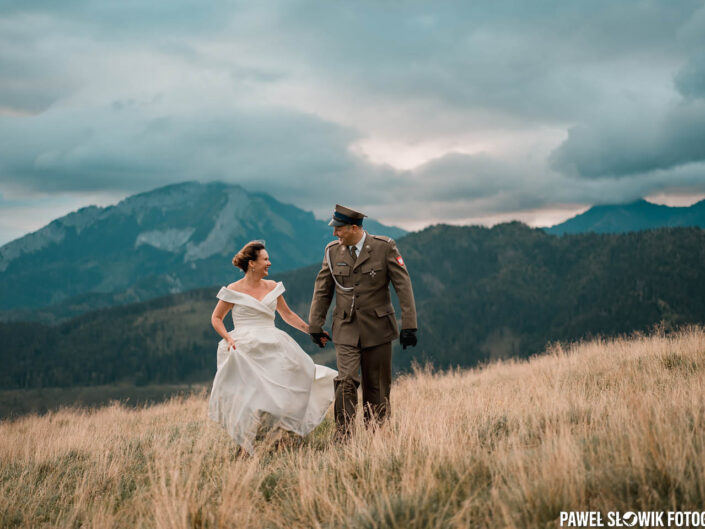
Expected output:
(382, 238)
(332, 243)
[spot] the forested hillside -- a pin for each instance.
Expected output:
(481, 294)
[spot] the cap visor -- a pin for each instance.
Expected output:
(336, 222)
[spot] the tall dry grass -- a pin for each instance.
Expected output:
(605, 425)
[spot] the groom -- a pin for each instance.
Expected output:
(357, 268)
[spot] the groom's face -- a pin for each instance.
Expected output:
(348, 234)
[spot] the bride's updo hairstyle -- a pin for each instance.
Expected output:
(249, 252)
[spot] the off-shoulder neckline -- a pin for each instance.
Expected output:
(251, 296)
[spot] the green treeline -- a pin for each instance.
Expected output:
(481, 294)
(506, 291)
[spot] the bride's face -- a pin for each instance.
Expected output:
(262, 264)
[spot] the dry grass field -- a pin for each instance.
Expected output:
(604, 425)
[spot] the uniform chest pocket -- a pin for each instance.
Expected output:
(372, 270)
(341, 270)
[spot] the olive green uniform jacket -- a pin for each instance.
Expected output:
(364, 315)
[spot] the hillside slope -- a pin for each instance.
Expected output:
(605, 426)
(482, 294)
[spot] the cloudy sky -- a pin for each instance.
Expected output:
(414, 112)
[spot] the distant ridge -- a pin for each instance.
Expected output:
(482, 294)
(636, 216)
(164, 241)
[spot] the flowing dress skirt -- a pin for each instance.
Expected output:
(268, 382)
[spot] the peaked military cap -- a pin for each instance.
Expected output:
(343, 216)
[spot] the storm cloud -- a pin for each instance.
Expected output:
(416, 112)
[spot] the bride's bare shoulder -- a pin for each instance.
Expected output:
(235, 285)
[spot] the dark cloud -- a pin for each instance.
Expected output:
(117, 18)
(542, 61)
(642, 137)
(625, 145)
(559, 102)
(691, 79)
(30, 79)
(135, 146)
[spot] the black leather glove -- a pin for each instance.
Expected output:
(317, 338)
(407, 338)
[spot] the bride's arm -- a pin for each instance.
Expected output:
(221, 309)
(290, 316)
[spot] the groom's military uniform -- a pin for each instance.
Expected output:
(364, 323)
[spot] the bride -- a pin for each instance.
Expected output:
(264, 379)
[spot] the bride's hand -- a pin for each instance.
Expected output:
(326, 338)
(231, 344)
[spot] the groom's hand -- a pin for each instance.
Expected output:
(320, 338)
(407, 338)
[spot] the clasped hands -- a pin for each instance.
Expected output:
(320, 338)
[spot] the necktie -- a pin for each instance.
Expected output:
(353, 252)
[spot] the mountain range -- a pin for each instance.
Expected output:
(168, 240)
(182, 236)
(636, 216)
(481, 294)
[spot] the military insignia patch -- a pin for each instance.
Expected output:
(400, 260)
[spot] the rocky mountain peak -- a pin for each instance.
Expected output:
(175, 237)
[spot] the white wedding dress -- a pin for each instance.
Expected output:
(267, 381)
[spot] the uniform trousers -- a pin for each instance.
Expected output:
(375, 363)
